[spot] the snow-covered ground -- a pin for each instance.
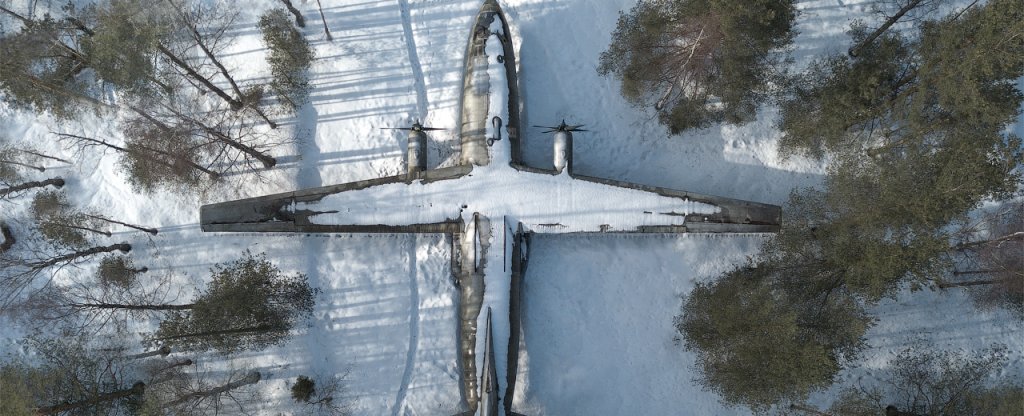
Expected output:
(598, 310)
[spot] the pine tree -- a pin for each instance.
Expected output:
(119, 271)
(699, 62)
(953, 83)
(290, 56)
(759, 342)
(41, 66)
(122, 43)
(249, 304)
(322, 399)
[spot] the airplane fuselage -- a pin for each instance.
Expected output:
(490, 90)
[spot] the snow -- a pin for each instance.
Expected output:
(598, 309)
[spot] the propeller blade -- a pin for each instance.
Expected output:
(431, 128)
(562, 127)
(396, 128)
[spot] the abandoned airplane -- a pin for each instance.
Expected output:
(490, 204)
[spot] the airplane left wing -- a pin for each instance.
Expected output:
(296, 211)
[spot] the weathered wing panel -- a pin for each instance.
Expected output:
(277, 213)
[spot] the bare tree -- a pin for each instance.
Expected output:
(993, 259)
(182, 388)
(27, 158)
(221, 128)
(205, 26)
(68, 378)
(12, 182)
(920, 381)
(82, 307)
(22, 268)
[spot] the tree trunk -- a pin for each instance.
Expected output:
(44, 156)
(224, 71)
(268, 161)
(808, 410)
(56, 182)
(324, 19)
(79, 25)
(136, 390)
(256, 108)
(24, 165)
(248, 330)
(75, 227)
(893, 411)
(163, 351)
(946, 285)
(152, 231)
(235, 104)
(133, 307)
(855, 49)
(35, 81)
(969, 272)
(23, 19)
(123, 247)
(299, 20)
(252, 378)
(8, 237)
(1017, 235)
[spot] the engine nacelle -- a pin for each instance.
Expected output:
(417, 151)
(562, 149)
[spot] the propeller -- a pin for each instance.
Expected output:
(416, 126)
(562, 127)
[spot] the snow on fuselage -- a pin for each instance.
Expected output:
(489, 119)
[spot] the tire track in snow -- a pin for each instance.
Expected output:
(414, 60)
(414, 328)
